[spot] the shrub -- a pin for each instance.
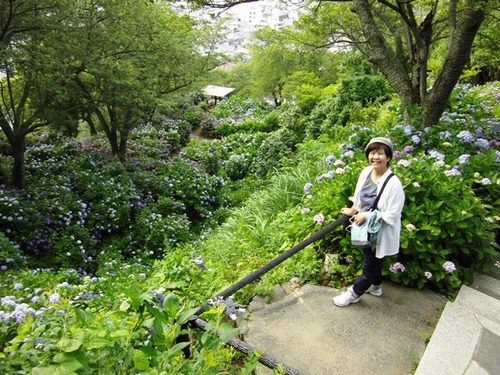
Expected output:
(193, 115)
(276, 151)
(444, 239)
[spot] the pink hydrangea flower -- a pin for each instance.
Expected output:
(319, 219)
(397, 267)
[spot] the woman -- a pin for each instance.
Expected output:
(379, 154)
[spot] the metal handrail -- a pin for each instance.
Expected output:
(243, 347)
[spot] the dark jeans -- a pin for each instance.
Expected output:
(372, 272)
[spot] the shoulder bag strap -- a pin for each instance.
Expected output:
(375, 203)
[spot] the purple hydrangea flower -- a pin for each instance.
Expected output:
(449, 266)
(397, 267)
(319, 219)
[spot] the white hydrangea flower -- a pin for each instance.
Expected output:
(411, 227)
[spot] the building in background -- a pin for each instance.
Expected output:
(242, 20)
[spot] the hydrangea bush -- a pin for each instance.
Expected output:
(128, 317)
(451, 177)
(66, 323)
(83, 199)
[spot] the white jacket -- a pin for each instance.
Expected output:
(390, 204)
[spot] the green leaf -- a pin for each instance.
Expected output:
(95, 342)
(174, 284)
(186, 315)
(68, 364)
(227, 332)
(70, 344)
(119, 333)
(49, 370)
(177, 348)
(124, 306)
(171, 305)
(140, 360)
(85, 317)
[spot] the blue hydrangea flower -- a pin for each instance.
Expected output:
(452, 172)
(465, 136)
(464, 159)
(54, 298)
(436, 155)
(408, 129)
(482, 143)
(485, 181)
(307, 188)
(330, 159)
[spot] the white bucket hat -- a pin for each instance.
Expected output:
(383, 140)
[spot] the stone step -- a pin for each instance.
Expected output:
(463, 343)
(479, 303)
(467, 336)
(494, 270)
(487, 284)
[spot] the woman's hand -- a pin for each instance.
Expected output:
(360, 218)
(348, 211)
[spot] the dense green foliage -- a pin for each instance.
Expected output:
(123, 240)
(124, 207)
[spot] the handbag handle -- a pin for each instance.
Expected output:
(375, 203)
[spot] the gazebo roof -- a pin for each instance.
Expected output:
(219, 91)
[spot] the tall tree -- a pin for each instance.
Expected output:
(398, 36)
(104, 61)
(23, 27)
(275, 56)
(274, 59)
(129, 55)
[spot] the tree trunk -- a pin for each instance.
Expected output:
(457, 56)
(382, 55)
(19, 171)
(88, 117)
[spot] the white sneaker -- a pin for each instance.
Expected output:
(346, 298)
(375, 290)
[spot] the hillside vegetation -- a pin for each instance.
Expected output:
(103, 262)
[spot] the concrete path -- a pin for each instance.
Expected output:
(378, 335)
(387, 335)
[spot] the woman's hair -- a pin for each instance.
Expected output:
(379, 146)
